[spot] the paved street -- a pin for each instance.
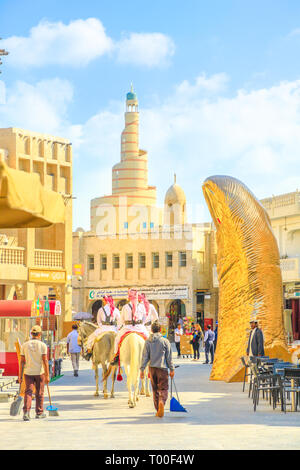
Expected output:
(219, 416)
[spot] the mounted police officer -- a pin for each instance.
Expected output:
(108, 319)
(133, 317)
(151, 313)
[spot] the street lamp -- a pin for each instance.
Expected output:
(2, 52)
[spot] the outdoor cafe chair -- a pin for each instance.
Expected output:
(266, 382)
(256, 360)
(246, 374)
(291, 385)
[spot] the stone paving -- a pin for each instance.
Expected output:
(219, 416)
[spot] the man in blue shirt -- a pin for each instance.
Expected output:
(74, 349)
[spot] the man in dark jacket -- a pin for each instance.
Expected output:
(158, 352)
(256, 340)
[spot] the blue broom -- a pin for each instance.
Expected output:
(175, 404)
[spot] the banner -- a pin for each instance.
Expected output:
(152, 293)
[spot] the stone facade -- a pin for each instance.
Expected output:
(135, 243)
(25, 252)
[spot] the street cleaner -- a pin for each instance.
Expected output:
(34, 362)
(108, 319)
(151, 313)
(133, 317)
(158, 352)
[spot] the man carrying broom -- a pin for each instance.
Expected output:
(158, 352)
(34, 362)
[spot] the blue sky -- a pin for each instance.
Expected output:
(218, 84)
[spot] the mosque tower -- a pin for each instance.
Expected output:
(175, 205)
(130, 176)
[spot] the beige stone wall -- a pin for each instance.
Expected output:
(194, 243)
(49, 248)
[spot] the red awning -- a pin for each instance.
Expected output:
(15, 308)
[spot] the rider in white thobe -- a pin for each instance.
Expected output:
(151, 313)
(128, 323)
(151, 317)
(107, 321)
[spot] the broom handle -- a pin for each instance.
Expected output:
(175, 388)
(49, 395)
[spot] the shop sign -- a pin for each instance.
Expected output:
(48, 276)
(78, 269)
(152, 293)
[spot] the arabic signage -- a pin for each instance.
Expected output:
(47, 275)
(152, 293)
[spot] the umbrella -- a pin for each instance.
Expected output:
(82, 316)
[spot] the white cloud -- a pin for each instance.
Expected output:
(75, 44)
(81, 41)
(41, 107)
(149, 49)
(253, 136)
(215, 84)
(2, 92)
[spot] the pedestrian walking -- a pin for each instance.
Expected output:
(197, 335)
(177, 335)
(34, 362)
(256, 340)
(74, 349)
(209, 338)
(158, 352)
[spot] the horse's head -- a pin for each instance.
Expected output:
(85, 328)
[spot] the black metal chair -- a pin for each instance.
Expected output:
(266, 383)
(246, 365)
(291, 384)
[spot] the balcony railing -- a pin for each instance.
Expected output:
(48, 258)
(9, 255)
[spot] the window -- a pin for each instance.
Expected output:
(91, 262)
(116, 261)
(151, 224)
(103, 262)
(142, 260)
(155, 260)
(200, 298)
(169, 260)
(144, 224)
(129, 260)
(182, 259)
(125, 224)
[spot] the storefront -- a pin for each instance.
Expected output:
(16, 320)
(170, 301)
(292, 302)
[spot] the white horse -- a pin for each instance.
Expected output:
(131, 352)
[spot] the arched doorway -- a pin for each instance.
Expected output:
(175, 311)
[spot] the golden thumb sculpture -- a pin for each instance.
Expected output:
(249, 276)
